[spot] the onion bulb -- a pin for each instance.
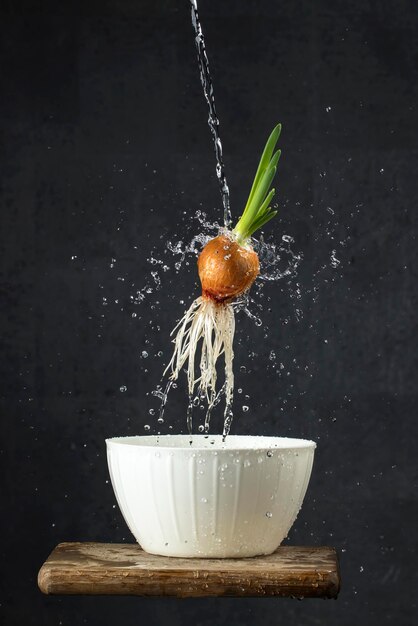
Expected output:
(226, 268)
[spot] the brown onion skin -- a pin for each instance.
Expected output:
(226, 269)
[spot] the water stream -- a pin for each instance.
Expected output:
(213, 121)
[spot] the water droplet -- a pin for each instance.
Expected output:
(269, 453)
(201, 428)
(123, 388)
(151, 411)
(245, 408)
(269, 515)
(204, 500)
(334, 261)
(147, 427)
(144, 354)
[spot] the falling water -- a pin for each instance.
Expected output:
(213, 120)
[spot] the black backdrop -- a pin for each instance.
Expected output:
(106, 155)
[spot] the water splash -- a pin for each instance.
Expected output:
(277, 261)
(206, 330)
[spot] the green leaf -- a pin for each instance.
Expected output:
(265, 160)
(260, 222)
(261, 191)
(266, 203)
(257, 210)
(275, 159)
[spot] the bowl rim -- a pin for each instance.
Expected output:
(264, 442)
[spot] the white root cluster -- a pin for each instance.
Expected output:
(214, 324)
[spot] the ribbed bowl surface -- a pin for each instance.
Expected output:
(200, 497)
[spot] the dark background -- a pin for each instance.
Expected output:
(106, 155)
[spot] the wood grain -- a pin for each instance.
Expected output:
(125, 569)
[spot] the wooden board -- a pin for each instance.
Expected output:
(125, 569)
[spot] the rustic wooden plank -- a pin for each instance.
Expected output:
(125, 569)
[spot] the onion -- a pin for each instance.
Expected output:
(226, 268)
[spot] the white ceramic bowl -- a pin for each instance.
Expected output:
(201, 497)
